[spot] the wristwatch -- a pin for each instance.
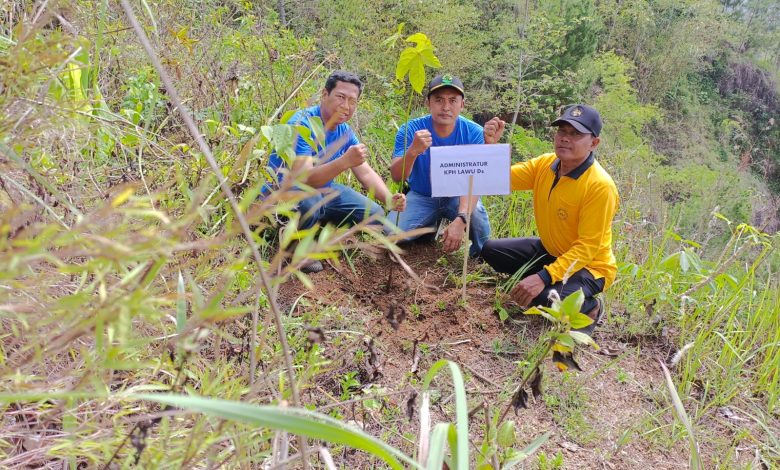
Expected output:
(462, 216)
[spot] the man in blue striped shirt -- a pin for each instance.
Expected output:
(340, 152)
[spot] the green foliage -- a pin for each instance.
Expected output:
(457, 435)
(581, 28)
(565, 316)
(695, 459)
(143, 103)
(567, 400)
(499, 444)
(122, 270)
(546, 462)
(668, 39)
(527, 146)
(414, 59)
(625, 118)
(348, 383)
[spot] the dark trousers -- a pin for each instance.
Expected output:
(508, 255)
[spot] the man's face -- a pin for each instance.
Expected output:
(338, 105)
(572, 145)
(445, 104)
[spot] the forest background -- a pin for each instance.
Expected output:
(123, 268)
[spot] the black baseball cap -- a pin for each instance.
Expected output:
(446, 80)
(582, 117)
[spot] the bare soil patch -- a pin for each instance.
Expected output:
(615, 414)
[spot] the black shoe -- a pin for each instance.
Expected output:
(311, 267)
(599, 320)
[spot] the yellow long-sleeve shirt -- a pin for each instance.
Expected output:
(573, 216)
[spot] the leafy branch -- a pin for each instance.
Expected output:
(561, 340)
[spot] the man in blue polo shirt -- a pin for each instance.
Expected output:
(412, 159)
(341, 152)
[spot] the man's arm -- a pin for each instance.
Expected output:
(318, 176)
(453, 235)
(420, 143)
(372, 182)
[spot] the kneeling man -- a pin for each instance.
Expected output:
(575, 201)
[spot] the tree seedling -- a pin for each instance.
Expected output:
(558, 342)
(412, 62)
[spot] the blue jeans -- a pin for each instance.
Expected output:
(348, 207)
(423, 211)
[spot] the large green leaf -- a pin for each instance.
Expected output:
(293, 420)
(282, 139)
(429, 58)
(572, 303)
(420, 39)
(579, 320)
(283, 142)
(404, 62)
(582, 338)
(438, 445)
(506, 434)
(547, 312)
(413, 60)
(417, 75)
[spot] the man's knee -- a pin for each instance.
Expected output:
(310, 210)
(480, 220)
(583, 280)
(363, 208)
(413, 218)
(489, 250)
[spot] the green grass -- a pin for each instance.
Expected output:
(568, 402)
(123, 272)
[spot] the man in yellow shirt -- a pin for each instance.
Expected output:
(575, 200)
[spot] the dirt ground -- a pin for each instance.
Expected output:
(613, 415)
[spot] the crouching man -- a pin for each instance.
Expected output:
(340, 152)
(574, 201)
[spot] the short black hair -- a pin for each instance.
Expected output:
(343, 76)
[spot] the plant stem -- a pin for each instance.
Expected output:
(468, 228)
(528, 374)
(389, 282)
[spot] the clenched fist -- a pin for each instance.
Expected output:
(398, 202)
(355, 155)
(494, 129)
(422, 140)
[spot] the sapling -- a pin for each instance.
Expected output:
(559, 342)
(412, 62)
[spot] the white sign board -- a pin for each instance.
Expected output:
(451, 167)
